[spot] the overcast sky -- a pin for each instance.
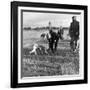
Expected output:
(35, 19)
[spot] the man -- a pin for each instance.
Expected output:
(60, 33)
(52, 38)
(74, 33)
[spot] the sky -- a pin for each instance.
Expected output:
(37, 19)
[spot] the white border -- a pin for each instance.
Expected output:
(51, 78)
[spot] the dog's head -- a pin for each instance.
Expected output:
(35, 45)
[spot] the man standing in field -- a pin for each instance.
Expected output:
(50, 37)
(53, 39)
(74, 33)
(60, 32)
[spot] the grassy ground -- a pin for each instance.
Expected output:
(62, 62)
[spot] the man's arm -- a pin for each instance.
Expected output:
(77, 28)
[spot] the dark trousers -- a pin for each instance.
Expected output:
(56, 43)
(73, 42)
(53, 45)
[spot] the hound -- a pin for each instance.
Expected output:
(40, 47)
(35, 46)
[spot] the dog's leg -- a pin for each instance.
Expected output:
(35, 53)
(31, 52)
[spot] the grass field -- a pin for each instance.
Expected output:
(62, 62)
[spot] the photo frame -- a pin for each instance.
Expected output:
(40, 59)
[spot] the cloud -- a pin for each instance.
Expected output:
(34, 19)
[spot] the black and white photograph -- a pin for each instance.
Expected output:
(50, 44)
